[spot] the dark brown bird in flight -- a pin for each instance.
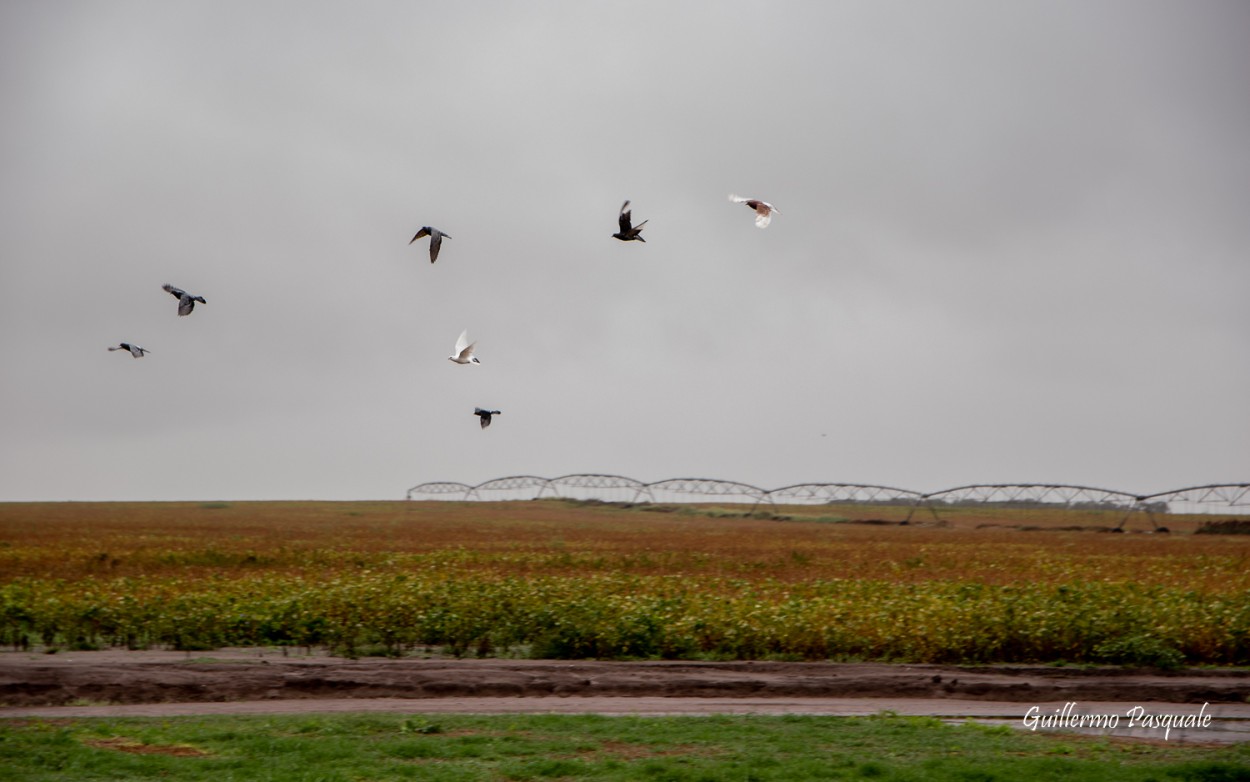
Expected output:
(485, 415)
(629, 232)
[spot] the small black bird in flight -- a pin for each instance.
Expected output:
(436, 240)
(135, 350)
(484, 415)
(186, 302)
(629, 232)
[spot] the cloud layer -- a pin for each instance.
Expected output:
(1012, 245)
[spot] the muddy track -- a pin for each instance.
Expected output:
(108, 677)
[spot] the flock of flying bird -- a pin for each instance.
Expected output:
(186, 303)
(463, 354)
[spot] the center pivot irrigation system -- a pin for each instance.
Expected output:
(1230, 499)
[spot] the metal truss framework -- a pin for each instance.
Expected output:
(1216, 496)
(524, 484)
(597, 486)
(1231, 498)
(709, 487)
(1231, 495)
(1030, 495)
(438, 489)
(833, 493)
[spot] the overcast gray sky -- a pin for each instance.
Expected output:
(1014, 244)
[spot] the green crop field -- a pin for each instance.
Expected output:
(560, 579)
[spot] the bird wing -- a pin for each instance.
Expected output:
(462, 341)
(763, 217)
(436, 241)
(136, 351)
(185, 304)
(467, 354)
(425, 231)
(624, 220)
(177, 293)
(737, 199)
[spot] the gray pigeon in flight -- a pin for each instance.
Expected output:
(436, 240)
(186, 302)
(629, 232)
(485, 415)
(135, 350)
(764, 211)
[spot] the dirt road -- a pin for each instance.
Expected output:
(249, 681)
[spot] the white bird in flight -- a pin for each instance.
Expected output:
(763, 210)
(464, 350)
(135, 350)
(186, 302)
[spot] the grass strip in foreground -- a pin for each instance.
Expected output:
(561, 747)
